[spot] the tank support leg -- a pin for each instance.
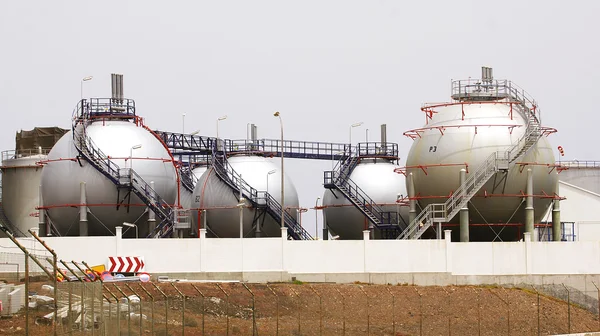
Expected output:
(151, 214)
(83, 221)
(42, 216)
(529, 205)
(464, 212)
(556, 217)
(412, 203)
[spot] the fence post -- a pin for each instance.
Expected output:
(393, 310)
(54, 280)
(299, 310)
(118, 308)
(226, 305)
(343, 311)
(320, 309)
(478, 293)
(166, 307)
(507, 310)
(82, 324)
(182, 308)
(538, 309)
(70, 314)
(253, 311)
(202, 295)
(420, 312)
(368, 310)
(277, 310)
(128, 309)
(569, 308)
(598, 297)
(141, 306)
(152, 309)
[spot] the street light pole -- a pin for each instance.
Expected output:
(278, 115)
(131, 155)
(183, 123)
(84, 79)
(133, 226)
(219, 119)
(269, 173)
(351, 127)
(317, 218)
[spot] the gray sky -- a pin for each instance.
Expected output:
(323, 64)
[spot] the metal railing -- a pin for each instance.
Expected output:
(258, 198)
(527, 108)
(121, 177)
(23, 153)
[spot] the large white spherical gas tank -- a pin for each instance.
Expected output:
(436, 156)
(186, 195)
(379, 181)
(107, 206)
(222, 215)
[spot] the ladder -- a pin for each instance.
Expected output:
(188, 179)
(339, 178)
(259, 199)
(124, 178)
(501, 160)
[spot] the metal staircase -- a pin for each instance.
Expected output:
(501, 160)
(121, 177)
(339, 178)
(259, 199)
(188, 179)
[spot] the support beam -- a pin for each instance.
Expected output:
(556, 236)
(412, 203)
(529, 204)
(83, 221)
(151, 214)
(464, 212)
(42, 216)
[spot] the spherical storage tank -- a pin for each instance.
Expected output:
(186, 195)
(21, 175)
(463, 134)
(219, 200)
(108, 206)
(376, 177)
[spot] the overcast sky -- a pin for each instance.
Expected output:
(323, 64)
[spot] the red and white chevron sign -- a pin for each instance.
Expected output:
(125, 264)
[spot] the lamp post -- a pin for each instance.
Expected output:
(183, 123)
(84, 79)
(351, 127)
(278, 115)
(317, 218)
(269, 173)
(367, 135)
(241, 205)
(398, 199)
(219, 119)
(131, 155)
(133, 226)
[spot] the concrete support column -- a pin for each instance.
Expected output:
(284, 236)
(448, 241)
(83, 221)
(42, 215)
(556, 217)
(202, 236)
(529, 204)
(464, 212)
(119, 238)
(151, 214)
(258, 232)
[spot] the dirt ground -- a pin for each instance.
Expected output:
(328, 309)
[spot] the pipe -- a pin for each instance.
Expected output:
(529, 204)
(464, 212)
(83, 221)
(556, 226)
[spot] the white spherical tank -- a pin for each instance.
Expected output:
(21, 176)
(219, 200)
(128, 146)
(186, 195)
(463, 135)
(379, 181)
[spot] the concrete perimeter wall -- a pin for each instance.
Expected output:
(421, 262)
